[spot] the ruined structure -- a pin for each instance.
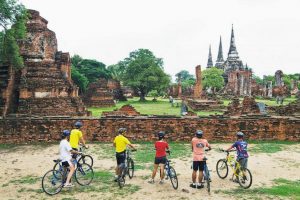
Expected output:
(220, 59)
(44, 86)
(210, 62)
(280, 90)
(198, 84)
(239, 82)
(124, 111)
(99, 95)
(248, 107)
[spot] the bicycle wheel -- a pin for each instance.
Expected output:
(207, 179)
(84, 174)
(130, 168)
(173, 177)
(222, 168)
(245, 179)
(52, 182)
(87, 159)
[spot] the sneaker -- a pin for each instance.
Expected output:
(192, 185)
(68, 185)
(200, 186)
(161, 182)
(151, 181)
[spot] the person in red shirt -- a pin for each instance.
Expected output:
(160, 157)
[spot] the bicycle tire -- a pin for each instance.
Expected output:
(241, 179)
(56, 166)
(87, 159)
(173, 177)
(54, 177)
(222, 165)
(207, 175)
(84, 174)
(130, 168)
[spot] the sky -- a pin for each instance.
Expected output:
(267, 32)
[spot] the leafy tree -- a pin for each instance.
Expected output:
(144, 72)
(13, 17)
(184, 75)
(80, 80)
(212, 77)
(116, 71)
(85, 71)
(258, 80)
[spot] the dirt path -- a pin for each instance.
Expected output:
(22, 168)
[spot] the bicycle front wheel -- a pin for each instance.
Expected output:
(86, 159)
(52, 182)
(207, 177)
(173, 177)
(84, 174)
(245, 178)
(130, 168)
(222, 168)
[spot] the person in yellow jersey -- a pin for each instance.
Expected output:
(76, 137)
(120, 143)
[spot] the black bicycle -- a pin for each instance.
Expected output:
(54, 180)
(127, 168)
(81, 158)
(171, 173)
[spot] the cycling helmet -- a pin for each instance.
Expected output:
(199, 133)
(66, 133)
(122, 130)
(78, 124)
(240, 134)
(161, 135)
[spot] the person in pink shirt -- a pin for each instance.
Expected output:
(198, 147)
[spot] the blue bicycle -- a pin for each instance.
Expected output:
(54, 180)
(206, 175)
(171, 173)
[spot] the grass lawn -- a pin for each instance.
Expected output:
(163, 107)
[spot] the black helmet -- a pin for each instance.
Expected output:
(161, 135)
(199, 133)
(122, 130)
(240, 134)
(66, 133)
(78, 124)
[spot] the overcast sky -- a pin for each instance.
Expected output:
(179, 31)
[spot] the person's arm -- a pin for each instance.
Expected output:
(132, 146)
(231, 147)
(208, 146)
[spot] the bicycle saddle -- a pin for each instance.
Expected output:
(57, 161)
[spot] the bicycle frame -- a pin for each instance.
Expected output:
(234, 165)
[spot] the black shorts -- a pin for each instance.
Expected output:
(198, 165)
(65, 164)
(160, 160)
(120, 157)
(74, 155)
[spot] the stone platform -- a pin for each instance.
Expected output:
(205, 104)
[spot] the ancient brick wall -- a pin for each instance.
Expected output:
(20, 130)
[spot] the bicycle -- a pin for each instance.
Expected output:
(170, 173)
(80, 158)
(127, 168)
(54, 180)
(244, 177)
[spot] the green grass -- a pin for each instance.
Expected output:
(281, 188)
(30, 179)
(269, 146)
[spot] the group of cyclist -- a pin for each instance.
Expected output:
(69, 150)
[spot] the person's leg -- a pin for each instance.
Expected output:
(194, 174)
(200, 177)
(154, 171)
(162, 173)
(72, 170)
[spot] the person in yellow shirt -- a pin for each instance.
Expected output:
(120, 143)
(76, 137)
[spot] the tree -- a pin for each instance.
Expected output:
(257, 79)
(85, 71)
(13, 17)
(212, 78)
(116, 71)
(144, 72)
(184, 75)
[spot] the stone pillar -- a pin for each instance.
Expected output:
(179, 86)
(270, 88)
(198, 84)
(278, 78)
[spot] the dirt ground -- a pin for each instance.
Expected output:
(30, 161)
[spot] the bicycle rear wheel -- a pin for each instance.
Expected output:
(173, 177)
(222, 168)
(245, 178)
(52, 182)
(84, 174)
(130, 168)
(87, 159)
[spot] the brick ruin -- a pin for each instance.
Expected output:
(239, 82)
(44, 86)
(98, 94)
(142, 128)
(124, 111)
(198, 84)
(248, 107)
